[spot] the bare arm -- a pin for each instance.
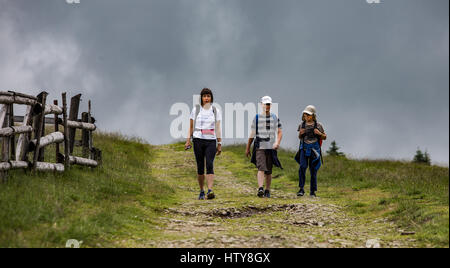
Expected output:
(323, 136)
(191, 131)
(219, 137)
(279, 137)
(249, 143)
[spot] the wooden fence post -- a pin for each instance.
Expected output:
(55, 102)
(73, 116)
(39, 124)
(5, 140)
(12, 139)
(85, 136)
(66, 133)
(90, 132)
(22, 142)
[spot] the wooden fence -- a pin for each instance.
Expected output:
(32, 140)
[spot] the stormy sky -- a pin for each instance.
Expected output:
(377, 73)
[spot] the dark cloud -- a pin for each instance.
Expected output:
(378, 73)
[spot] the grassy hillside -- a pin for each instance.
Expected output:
(90, 205)
(145, 196)
(414, 196)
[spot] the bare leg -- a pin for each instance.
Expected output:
(201, 181)
(260, 179)
(210, 180)
(268, 181)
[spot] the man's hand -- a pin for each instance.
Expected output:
(247, 152)
(317, 132)
(276, 146)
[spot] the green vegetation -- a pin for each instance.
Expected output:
(125, 202)
(421, 157)
(334, 150)
(91, 205)
(415, 196)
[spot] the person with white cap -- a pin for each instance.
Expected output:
(311, 134)
(267, 134)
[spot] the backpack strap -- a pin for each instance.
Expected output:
(304, 126)
(197, 111)
(215, 115)
(257, 119)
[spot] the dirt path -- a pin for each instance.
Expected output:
(237, 218)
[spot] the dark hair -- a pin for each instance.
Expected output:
(206, 91)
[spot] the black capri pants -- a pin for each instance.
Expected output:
(205, 149)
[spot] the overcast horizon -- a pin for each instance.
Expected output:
(377, 73)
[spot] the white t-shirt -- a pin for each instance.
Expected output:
(205, 125)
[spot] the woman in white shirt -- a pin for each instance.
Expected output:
(205, 129)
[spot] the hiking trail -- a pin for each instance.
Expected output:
(238, 218)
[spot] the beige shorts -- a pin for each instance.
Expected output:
(264, 161)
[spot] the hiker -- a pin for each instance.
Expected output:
(311, 134)
(205, 130)
(264, 128)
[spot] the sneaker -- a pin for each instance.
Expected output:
(267, 193)
(301, 192)
(201, 196)
(261, 192)
(210, 194)
(312, 194)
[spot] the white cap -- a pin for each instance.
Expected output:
(310, 109)
(266, 100)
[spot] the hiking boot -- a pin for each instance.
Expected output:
(261, 192)
(210, 194)
(267, 193)
(312, 194)
(201, 196)
(301, 192)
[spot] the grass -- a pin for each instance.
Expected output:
(123, 199)
(414, 196)
(91, 205)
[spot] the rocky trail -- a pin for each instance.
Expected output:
(237, 218)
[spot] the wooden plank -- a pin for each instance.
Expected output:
(55, 137)
(12, 93)
(56, 124)
(11, 131)
(85, 136)
(4, 166)
(97, 153)
(75, 160)
(66, 133)
(23, 138)
(12, 138)
(53, 109)
(48, 120)
(5, 144)
(73, 116)
(56, 167)
(39, 126)
(90, 132)
(3, 112)
(17, 100)
(81, 125)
